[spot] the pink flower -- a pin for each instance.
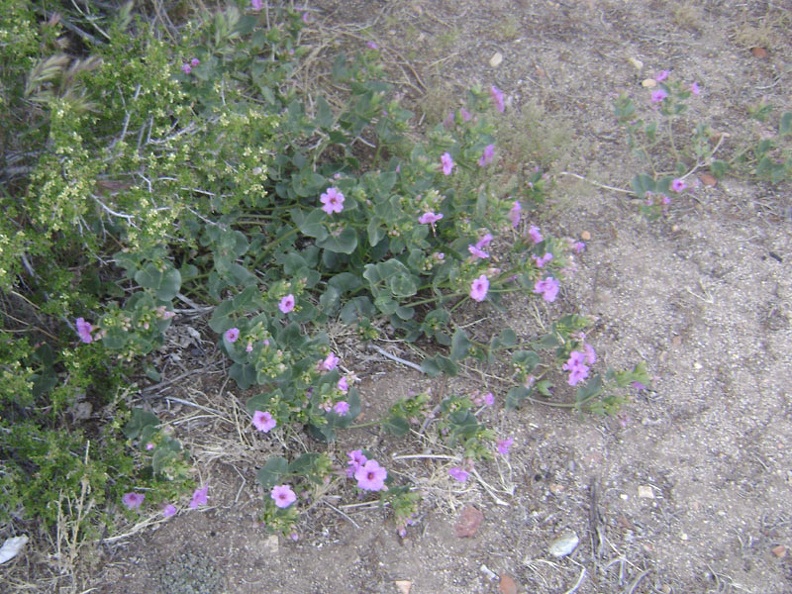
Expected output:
(534, 234)
(514, 213)
(286, 304)
(429, 218)
(540, 262)
(579, 247)
(356, 460)
(186, 68)
(341, 408)
(578, 370)
(330, 362)
(333, 201)
(232, 334)
(487, 156)
(678, 185)
(662, 75)
(695, 89)
(372, 45)
(133, 500)
(169, 510)
(150, 446)
(484, 241)
(343, 385)
(497, 98)
(256, 5)
(447, 162)
(489, 399)
(477, 252)
(658, 95)
(194, 62)
(547, 288)
(371, 476)
(504, 445)
(84, 330)
(283, 496)
(479, 288)
(590, 354)
(199, 497)
(459, 474)
(465, 114)
(263, 421)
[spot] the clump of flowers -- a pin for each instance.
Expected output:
(370, 476)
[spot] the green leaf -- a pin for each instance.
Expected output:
(165, 283)
(515, 396)
(643, 183)
(312, 224)
(270, 474)
(460, 345)
(396, 425)
(139, 420)
(719, 168)
(307, 184)
(785, 125)
(591, 389)
(434, 366)
(342, 243)
(324, 115)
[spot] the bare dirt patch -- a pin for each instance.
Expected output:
(689, 487)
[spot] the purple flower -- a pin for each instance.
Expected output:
(341, 408)
(84, 330)
(343, 385)
(579, 247)
(577, 368)
(372, 45)
(489, 399)
(194, 62)
(638, 386)
(487, 156)
(477, 252)
(514, 213)
(662, 75)
(479, 288)
(256, 5)
(133, 500)
(484, 241)
(534, 234)
(263, 421)
(658, 95)
(186, 68)
(429, 218)
(333, 201)
(547, 288)
(504, 445)
(286, 304)
(231, 335)
(199, 497)
(330, 362)
(694, 88)
(678, 185)
(459, 474)
(169, 510)
(283, 496)
(447, 162)
(497, 98)
(540, 262)
(371, 476)
(465, 114)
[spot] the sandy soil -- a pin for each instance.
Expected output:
(687, 489)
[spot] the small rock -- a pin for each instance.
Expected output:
(507, 585)
(564, 545)
(585, 236)
(645, 492)
(403, 586)
(637, 64)
(12, 547)
(469, 521)
(649, 83)
(759, 52)
(708, 179)
(496, 59)
(779, 551)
